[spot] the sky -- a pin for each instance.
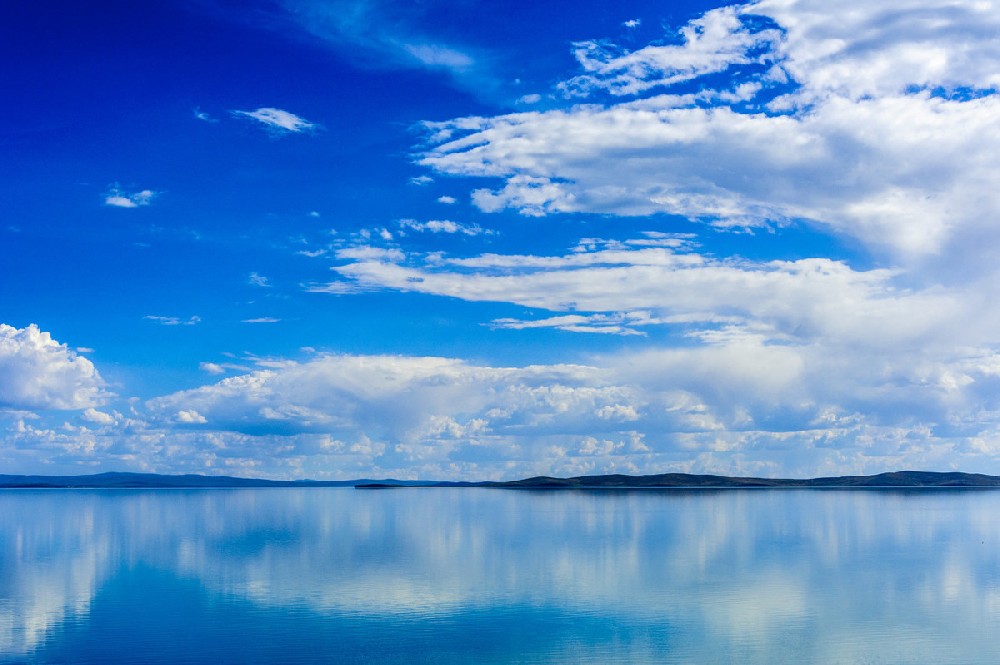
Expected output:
(459, 239)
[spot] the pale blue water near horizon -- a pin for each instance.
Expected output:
(499, 576)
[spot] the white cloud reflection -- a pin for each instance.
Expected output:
(817, 575)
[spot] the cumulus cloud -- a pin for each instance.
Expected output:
(277, 121)
(395, 399)
(98, 417)
(736, 403)
(735, 400)
(37, 372)
(118, 198)
(190, 416)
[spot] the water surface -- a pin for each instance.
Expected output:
(499, 576)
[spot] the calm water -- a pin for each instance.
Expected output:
(494, 576)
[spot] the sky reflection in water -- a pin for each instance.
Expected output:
(339, 575)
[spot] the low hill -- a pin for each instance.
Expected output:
(114, 480)
(680, 480)
(900, 479)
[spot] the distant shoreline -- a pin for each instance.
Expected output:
(676, 481)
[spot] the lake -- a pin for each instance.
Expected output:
(499, 576)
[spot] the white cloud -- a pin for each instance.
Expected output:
(117, 198)
(444, 226)
(632, 23)
(365, 253)
(395, 398)
(735, 404)
(37, 372)
(256, 279)
(620, 323)
(261, 319)
(436, 55)
(204, 117)
(655, 283)
(98, 417)
(173, 320)
(809, 346)
(618, 412)
(278, 121)
(191, 416)
(826, 115)
(447, 200)
(711, 44)
(868, 122)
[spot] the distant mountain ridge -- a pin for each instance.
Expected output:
(127, 480)
(682, 480)
(116, 479)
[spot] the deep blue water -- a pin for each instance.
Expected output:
(499, 576)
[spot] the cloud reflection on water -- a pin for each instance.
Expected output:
(827, 576)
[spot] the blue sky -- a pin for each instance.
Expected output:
(364, 238)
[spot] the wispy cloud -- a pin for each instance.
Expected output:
(277, 121)
(119, 198)
(387, 35)
(661, 280)
(173, 320)
(256, 279)
(621, 323)
(262, 319)
(380, 30)
(204, 117)
(444, 226)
